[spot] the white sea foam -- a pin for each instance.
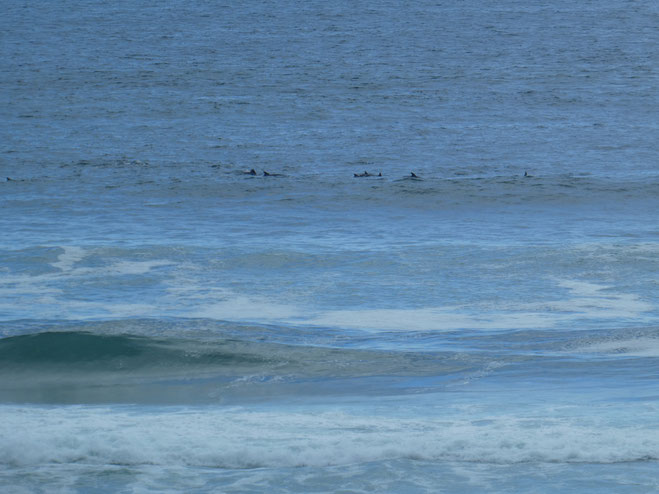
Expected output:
(184, 291)
(644, 346)
(237, 438)
(240, 308)
(588, 301)
(427, 319)
(48, 295)
(67, 259)
(135, 267)
(258, 309)
(600, 301)
(585, 301)
(72, 255)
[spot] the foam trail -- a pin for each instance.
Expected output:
(236, 438)
(69, 257)
(427, 319)
(643, 346)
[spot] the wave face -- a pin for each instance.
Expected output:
(94, 352)
(87, 367)
(180, 362)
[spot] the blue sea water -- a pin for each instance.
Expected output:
(170, 322)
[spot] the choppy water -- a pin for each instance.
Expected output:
(170, 323)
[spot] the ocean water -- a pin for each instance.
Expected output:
(170, 322)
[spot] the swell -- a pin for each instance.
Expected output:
(83, 350)
(86, 367)
(98, 352)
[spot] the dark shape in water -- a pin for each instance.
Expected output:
(413, 175)
(366, 174)
(251, 172)
(266, 174)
